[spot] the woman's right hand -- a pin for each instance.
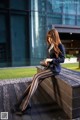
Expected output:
(48, 60)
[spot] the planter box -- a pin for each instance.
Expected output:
(65, 90)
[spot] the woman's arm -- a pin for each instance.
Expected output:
(58, 60)
(61, 57)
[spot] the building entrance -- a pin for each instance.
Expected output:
(70, 37)
(71, 42)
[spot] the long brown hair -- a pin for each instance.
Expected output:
(54, 35)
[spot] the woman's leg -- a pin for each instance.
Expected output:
(37, 78)
(25, 94)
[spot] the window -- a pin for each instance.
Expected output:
(3, 56)
(68, 20)
(69, 6)
(78, 20)
(18, 4)
(2, 39)
(3, 3)
(54, 19)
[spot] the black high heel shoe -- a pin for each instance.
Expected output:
(28, 107)
(18, 111)
(26, 111)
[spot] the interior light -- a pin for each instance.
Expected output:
(70, 33)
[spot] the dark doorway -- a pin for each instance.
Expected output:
(71, 42)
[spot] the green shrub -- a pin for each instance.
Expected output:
(69, 56)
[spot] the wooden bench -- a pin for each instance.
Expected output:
(65, 90)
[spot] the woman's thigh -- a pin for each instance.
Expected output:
(44, 74)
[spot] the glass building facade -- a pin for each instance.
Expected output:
(23, 27)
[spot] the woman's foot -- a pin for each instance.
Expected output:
(26, 111)
(29, 106)
(18, 111)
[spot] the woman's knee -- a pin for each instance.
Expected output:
(36, 76)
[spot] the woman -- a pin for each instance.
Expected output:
(56, 56)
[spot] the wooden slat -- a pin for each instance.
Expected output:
(59, 84)
(73, 91)
(65, 89)
(40, 103)
(56, 111)
(72, 78)
(76, 91)
(76, 113)
(71, 72)
(59, 93)
(62, 103)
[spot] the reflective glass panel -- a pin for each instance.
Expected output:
(78, 7)
(2, 29)
(54, 19)
(18, 4)
(38, 42)
(18, 40)
(69, 6)
(3, 3)
(54, 6)
(78, 20)
(68, 20)
(38, 5)
(3, 50)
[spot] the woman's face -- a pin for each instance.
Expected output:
(49, 40)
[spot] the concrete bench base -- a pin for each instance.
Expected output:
(65, 90)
